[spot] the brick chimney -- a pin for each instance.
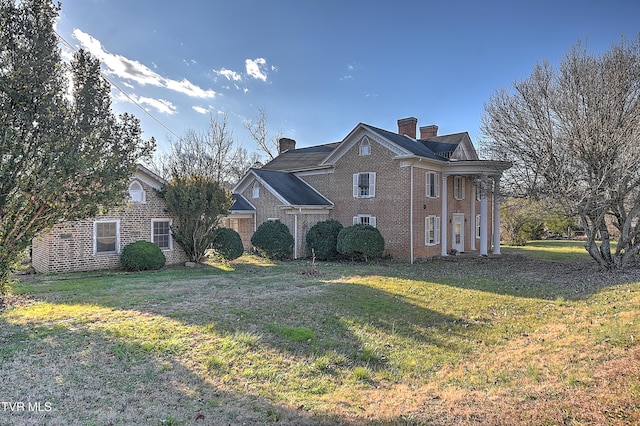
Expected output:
(429, 131)
(407, 126)
(286, 144)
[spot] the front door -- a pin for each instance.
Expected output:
(457, 243)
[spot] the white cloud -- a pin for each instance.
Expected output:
(133, 70)
(200, 109)
(188, 88)
(255, 68)
(161, 105)
(229, 74)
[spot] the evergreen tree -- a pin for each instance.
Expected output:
(63, 157)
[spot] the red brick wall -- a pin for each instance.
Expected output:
(391, 204)
(269, 207)
(243, 226)
(69, 245)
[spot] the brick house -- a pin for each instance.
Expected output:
(96, 243)
(428, 196)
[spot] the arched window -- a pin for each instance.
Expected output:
(365, 147)
(136, 192)
(256, 190)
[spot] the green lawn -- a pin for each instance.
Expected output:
(552, 249)
(537, 336)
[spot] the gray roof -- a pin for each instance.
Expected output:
(429, 148)
(435, 148)
(293, 189)
(240, 203)
(302, 158)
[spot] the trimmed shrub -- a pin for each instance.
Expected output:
(360, 242)
(142, 256)
(273, 240)
(322, 238)
(228, 244)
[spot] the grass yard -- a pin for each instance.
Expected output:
(536, 336)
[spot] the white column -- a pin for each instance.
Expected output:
(443, 220)
(295, 235)
(496, 215)
(472, 220)
(411, 218)
(483, 216)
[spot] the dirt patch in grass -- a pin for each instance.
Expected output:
(8, 301)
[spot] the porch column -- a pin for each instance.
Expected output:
(496, 215)
(483, 216)
(443, 220)
(472, 219)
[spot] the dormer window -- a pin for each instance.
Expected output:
(136, 192)
(255, 191)
(365, 147)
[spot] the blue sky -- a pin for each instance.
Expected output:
(319, 68)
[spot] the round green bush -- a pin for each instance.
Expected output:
(142, 256)
(360, 242)
(273, 240)
(228, 244)
(322, 239)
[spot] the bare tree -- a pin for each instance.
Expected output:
(573, 135)
(211, 153)
(260, 134)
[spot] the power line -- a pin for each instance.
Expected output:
(129, 97)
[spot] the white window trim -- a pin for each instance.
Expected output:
(141, 192)
(458, 187)
(477, 227)
(372, 185)
(436, 230)
(365, 147)
(357, 220)
(170, 234)
(95, 236)
(436, 184)
(255, 190)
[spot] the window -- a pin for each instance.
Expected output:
(256, 190)
(136, 192)
(161, 233)
(458, 188)
(364, 219)
(106, 236)
(478, 226)
(432, 230)
(478, 190)
(365, 147)
(364, 185)
(433, 184)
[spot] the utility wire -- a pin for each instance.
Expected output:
(129, 97)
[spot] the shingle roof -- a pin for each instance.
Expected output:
(293, 189)
(240, 203)
(405, 142)
(302, 158)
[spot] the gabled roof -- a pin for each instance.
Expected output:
(241, 204)
(300, 159)
(147, 176)
(291, 189)
(413, 146)
(450, 143)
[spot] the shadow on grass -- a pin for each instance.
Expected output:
(523, 275)
(350, 328)
(75, 375)
(271, 325)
